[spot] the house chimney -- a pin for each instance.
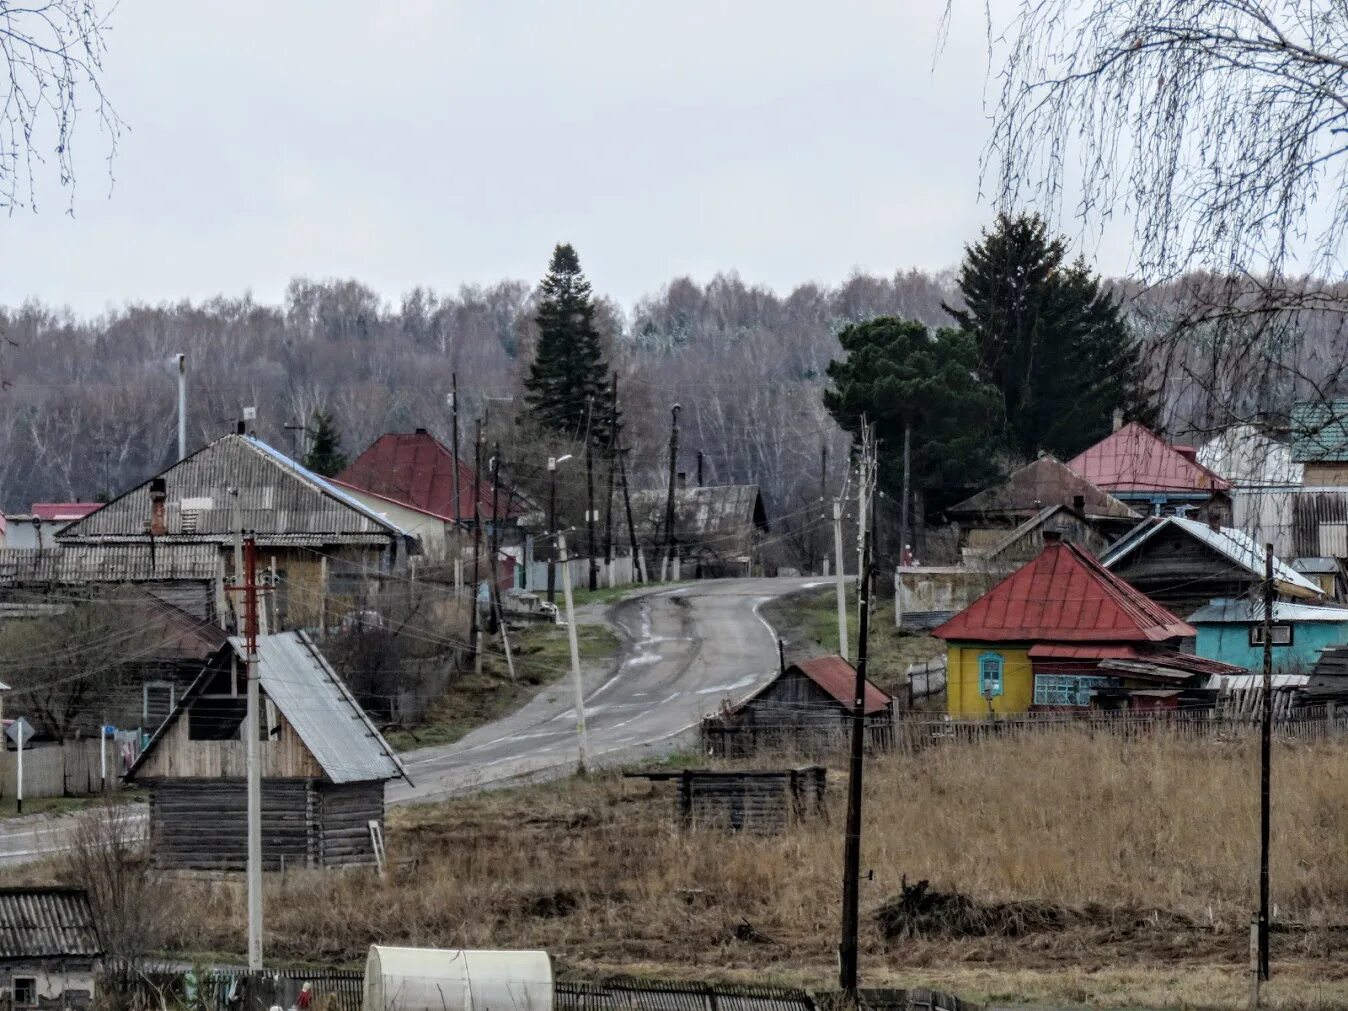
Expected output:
(241, 428)
(683, 479)
(1079, 504)
(1118, 418)
(158, 496)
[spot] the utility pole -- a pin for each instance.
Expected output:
(474, 631)
(608, 497)
(1265, 760)
(182, 406)
(552, 528)
(847, 950)
(669, 500)
(823, 494)
(627, 497)
(252, 732)
(699, 468)
(454, 438)
(907, 495)
(591, 514)
(582, 739)
(499, 612)
(839, 579)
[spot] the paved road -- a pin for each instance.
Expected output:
(684, 650)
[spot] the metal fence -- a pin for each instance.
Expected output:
(224, 989)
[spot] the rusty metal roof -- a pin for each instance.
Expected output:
(47, 923)
(715, 516)
(1036, 486)
(839, 678)
(277, 499)
(1136, 459)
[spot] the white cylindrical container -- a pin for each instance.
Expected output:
(445, 979)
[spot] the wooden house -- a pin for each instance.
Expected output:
(324, 765)
(1065, 633)
(1182, 564)
(50, 952)
(1046, 491)
(718, 529)
(1137, 466)
(806, 707)
(327, 549)
(1233, 631)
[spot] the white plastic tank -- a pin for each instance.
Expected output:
(445, 979)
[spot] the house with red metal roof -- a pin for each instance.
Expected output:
(1063, 632)
(1137, 466)
(411, 478)
(808, 704)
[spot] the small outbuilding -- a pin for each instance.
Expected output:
(50, 951)
(324, 765)
(1233, 631)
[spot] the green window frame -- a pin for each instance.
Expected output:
(991, 668)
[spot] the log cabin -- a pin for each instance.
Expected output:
(324, 765)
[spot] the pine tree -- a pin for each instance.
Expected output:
(1050, 338)
(567, 385)
(325, 454)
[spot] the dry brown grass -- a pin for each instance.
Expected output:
(596, 872)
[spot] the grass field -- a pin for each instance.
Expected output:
(1131, 867)
(541, 654)
(67, 805)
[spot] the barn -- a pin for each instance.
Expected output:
(324, 765)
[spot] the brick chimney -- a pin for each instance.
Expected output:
(1079, 504)
(158, 498)
(1118, 418)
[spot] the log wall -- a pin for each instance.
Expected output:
(202, 824)
(346, 811)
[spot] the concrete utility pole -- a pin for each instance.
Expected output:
(254, 759)
(182, 406)
(1265, 761)
(842, 586)
(907, 495)
(669, 500)
(582, 738)
(473, 631)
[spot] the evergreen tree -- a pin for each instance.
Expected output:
(325, 454)
(569, 375)
(899, 373)
(1050, 339)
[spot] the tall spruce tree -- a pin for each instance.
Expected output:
(325, 454)
(568, 382)
(1050, 338)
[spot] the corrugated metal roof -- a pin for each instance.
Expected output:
(417, 471)
(328, 719)
(1320, 432)
(714, 516)
(1036, 486)
(1247, 457)
(1248, 611)
(1083, 651)
(1247, 681)
(1063, 595)
(277, 498)
(1322, 566)
(111, 563)
(47, 923)
(1235, 545)
(1136, 459)
(839, 678)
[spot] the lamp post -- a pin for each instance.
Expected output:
(553, 462)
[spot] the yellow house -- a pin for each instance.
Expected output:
(1036, 640)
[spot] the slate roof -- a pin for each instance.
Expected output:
(1320, 432)
(1247, 457)
(62, 512)
(47, 923)
(301, 683)
(714, 516)
(281, 501)
(1236, 546)
(416, 470)
(1063, 595)
(1136, 459)
(839, 678)
(138, 561)
(1036, 486)
(1236, 612)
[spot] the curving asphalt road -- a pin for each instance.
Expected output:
(685, 650)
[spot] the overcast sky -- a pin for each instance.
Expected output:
(435, 143)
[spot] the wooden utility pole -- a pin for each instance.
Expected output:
(669, 500)
(474, 631)
(627, 496)
(608, 497)
(823, 499)
(582, 738)
(454, 438)
(552, 529)
(907, 496)
(591, 514)
(851, 905)
(252, 732)
(839, 578)
(1265, 760)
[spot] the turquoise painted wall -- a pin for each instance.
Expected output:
(1230, 643)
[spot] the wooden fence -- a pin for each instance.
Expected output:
(68, 769)
(234, 989)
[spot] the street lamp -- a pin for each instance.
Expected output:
(553, 461)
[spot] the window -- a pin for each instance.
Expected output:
(1282, 635)
(216, 719)
(1067, 689)
(25, 991)
(990, 675)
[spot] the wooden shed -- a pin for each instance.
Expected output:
(49, 948)
(324, 765)
(807, 707)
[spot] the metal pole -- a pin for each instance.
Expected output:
(669, 500)
(182, 406)
(842, 588)
(582, 742)
(552, 528)
(1265, 760)
(252, 732)
(847, 950)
